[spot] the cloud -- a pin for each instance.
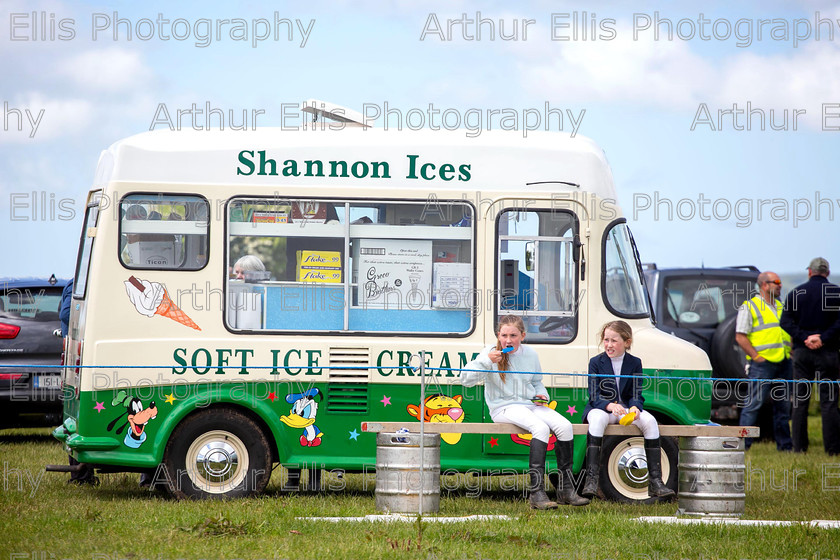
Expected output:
(41, 118)
(806, 78)
(91, 88)
(108, 70)
(621, 70)
(675, 76)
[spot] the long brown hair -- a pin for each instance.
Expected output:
(516, 321)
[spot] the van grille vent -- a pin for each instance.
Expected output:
(347, 390)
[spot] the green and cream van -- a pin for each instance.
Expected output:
(248, 299)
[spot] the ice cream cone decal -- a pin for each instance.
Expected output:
(151, 298)
(169, 309)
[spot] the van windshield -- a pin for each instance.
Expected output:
(623, 290)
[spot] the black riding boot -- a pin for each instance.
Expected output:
(565, 481)
(536, 464)
(593, 466)
(656, 488)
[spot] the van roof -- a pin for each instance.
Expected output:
(498, 160)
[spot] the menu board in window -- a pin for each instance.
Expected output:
(394, 273)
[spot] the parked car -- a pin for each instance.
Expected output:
(28, 317)
(700, 305)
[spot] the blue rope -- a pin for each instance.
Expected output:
(7, 367)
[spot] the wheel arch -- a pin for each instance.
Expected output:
(261, 415)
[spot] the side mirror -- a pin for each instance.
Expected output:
(529, 256)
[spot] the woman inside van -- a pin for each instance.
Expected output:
(514, 393)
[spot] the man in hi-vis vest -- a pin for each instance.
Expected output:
(758, 332)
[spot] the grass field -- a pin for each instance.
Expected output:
(47, 519)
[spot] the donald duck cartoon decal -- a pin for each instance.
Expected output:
(302, 415)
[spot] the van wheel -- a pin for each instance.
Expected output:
(624, 471)
(216, 454)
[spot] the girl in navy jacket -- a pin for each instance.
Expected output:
(615, 390)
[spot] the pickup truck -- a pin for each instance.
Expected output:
(700, 305)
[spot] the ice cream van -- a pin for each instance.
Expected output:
(245, 300)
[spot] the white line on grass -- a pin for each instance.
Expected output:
(388, 518)
(818, 523)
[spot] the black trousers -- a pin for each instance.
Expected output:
(817, 365)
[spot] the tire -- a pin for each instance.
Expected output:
(623, 476)
(728, 360)
(219, 453)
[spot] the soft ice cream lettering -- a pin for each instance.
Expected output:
(201, 360)
(235, 361)
(295, 361)
(386, 364)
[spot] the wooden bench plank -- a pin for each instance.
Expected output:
(612, 430)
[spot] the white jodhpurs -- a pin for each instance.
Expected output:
(541, 421)
(599, 419)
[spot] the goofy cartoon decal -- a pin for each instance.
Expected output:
(302, 415)
(136, 418)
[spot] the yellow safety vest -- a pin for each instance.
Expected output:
(767, 337)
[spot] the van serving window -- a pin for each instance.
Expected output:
(163, 232)
(349, 266)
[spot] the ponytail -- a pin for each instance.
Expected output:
(504, 363)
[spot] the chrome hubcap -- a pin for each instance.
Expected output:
(628, 469)
(632, 468)
(217, 461)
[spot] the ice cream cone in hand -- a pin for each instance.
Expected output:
(151, 298)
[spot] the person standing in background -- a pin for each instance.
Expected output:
(64, 308)
(811, 317)
(84, 475)
(759, 334)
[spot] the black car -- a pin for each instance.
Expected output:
(700, 305)
(30, 352)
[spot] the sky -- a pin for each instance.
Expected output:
(666, 89)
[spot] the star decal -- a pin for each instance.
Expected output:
(493, 442)
(170, 398)
(272, 396)
(354, 435)
(571, 411)
(385, 401)
(100, 406)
